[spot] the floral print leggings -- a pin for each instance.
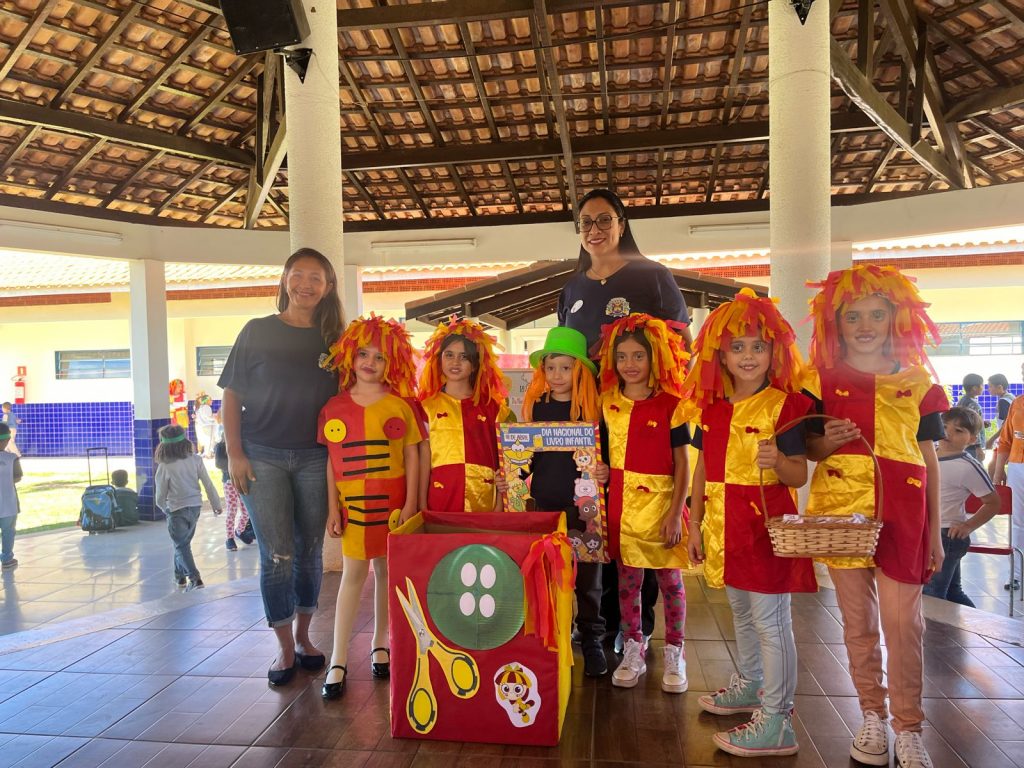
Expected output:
(237, 516)
(670, 582)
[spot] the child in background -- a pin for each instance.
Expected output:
(643, 364)
(563, 389)
(973, 384)
(179, 473)
(127, 499)
(998, 387)
(961, 476)
(10, 473)
(746, 383)
(12, 423)
(463, 393)
(236, 521)
(870, 329)
(372, 436)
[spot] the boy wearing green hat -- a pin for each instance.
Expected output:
(564, 389)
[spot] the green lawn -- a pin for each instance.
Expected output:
(51, 491)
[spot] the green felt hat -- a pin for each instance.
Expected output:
(564, 341)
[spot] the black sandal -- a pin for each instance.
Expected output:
(311, 663)
(332, 691)
(380, 670)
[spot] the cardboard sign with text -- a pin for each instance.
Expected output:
(586, 522)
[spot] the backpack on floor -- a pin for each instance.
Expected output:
(99, 504)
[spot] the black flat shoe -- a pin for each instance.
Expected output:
(279, 677)
(311, 663)
(332, 691)
(380, 670)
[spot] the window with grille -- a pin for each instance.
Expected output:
(1004, 337)
(210, 360)
(93, 364)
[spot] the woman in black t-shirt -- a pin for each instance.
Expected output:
(274, 389)
(613, 279)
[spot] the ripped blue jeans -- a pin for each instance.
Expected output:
(287, 504)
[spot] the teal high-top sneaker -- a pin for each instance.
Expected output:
(765, 735)
(740, 696)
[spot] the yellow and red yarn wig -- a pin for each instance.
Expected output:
(585, 405)
(488, 380)
(746, 314)
(911, 327)
(668, 352)
(391, 338)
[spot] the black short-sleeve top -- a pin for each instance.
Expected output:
(275, 370)
(641, 285)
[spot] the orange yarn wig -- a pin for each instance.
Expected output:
(391, 338)
(584, 393)
(746, 314)
(488, 380)
(911, 327)
(668, 352)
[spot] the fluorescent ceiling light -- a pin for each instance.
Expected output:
(460, 244)
(58, 229)
(716, 229)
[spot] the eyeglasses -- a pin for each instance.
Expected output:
(603, 222)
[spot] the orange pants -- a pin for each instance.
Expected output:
(864, 595)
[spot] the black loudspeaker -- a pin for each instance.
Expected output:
(261, 25)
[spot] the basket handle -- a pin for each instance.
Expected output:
(792, 423)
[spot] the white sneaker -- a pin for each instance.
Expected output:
(910, 751)
(871, 744)
(673, 679)
(627, 675)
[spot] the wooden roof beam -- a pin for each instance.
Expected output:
(246, 66)
(85, 68)
(73, 168)
(745, 132)
(985, 101)
(540, 17)
(862, 92)
(121, 187)
(187, 47)
(361, 189)
(22, 43)
(264, 173)
(668, 70)
(910, 37)
(172, 196)
(133, 135)
(955, 43)
(1012, 15)
(20, 146)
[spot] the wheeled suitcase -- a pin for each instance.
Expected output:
(99, 504)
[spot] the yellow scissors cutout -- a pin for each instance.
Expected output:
(459, 668)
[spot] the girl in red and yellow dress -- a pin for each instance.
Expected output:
(643, 364)
(372, 435)
(463, 393)
(870, 329)
(746, 382)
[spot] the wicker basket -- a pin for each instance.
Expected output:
(824, 536)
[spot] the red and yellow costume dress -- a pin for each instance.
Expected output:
(366, 449)
(737, 549)
(641, 481)
(888, 410)
(463, 453)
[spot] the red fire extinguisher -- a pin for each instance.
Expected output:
(19, 385)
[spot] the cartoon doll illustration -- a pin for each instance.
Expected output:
(515, 688)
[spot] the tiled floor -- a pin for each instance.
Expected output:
(180, 681)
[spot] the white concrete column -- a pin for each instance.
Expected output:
(314, 145)
(842, 255)
(149, 339)
(798, 154)
(697, 317)
(314, 166)
(351, 276)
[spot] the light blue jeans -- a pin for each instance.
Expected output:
(765, 645)
(287, 504)
(8, 526)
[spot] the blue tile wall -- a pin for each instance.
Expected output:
(67, 429)
(987, 401)
(145, 442)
